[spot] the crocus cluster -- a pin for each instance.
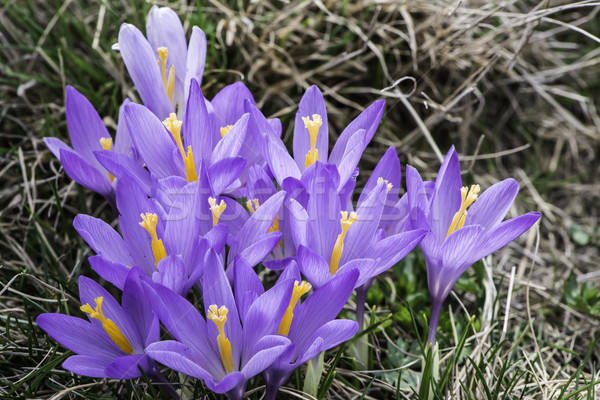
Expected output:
(207, 193)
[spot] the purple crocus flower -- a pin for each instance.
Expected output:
(164, 88)
(327, 243)
(88, 135)
(311, 139)
(167, 154)
(233, 344)
(311, 325)
(457, 238)
(111, 344)
(164, 240)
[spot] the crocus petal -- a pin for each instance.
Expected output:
(264, 316)
(313, 266)
(493, 204)
(120, 164)
(179, 357)
(299, 222)
(455, 254)
(123, 143)
(322, 306)
(362, 231)
(351, 157)
(394, 248)
(296, 190)
(388, 168)
(184, 322)
(258, 184)
(139, 309)
(258, 250)
(229, 103)
(259, 223)
(164, 29)
(234, 381)
(199, 129)
(323, 207)
(217, 291)
(446, 198)
(172, 273)
(140, 60)
(102, 238)
(89, 290)
(267, 350)
(86, 366)
(125, 367)
(196, 58)
(181, 223)
(153, 141)
(312, 102)
(247, 286)
(505, 233)
(224, 172)
(366, 267)
(418, 200)
(280, 162)
(85, 174)
(85, 126)
(131, 202)
(368, 120)
(115, 273)
(55, 145)
(232, 142)
(79, 336)
(330, 334)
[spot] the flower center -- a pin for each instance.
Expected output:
(219, 317)
(216, 210)
(168, 83)
(389, 185)
(173, 125)
(313, 129)
(149, 222)
(108, 325)
(106, 144)
(298, 291)
(336, 254)
(225, 130)
(468, 196)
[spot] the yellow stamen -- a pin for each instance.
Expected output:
(298, 291)
(389, 185)
(313, 129)
(106, 144)
(162, 55)
(336, 254)
(171, 83)
(216, 210)
(225, 130)
(149, 222)
(219, 317)
(190, 166)
(173, 125)
(467, 197)
(168, 83)
(252, 205)
(109, 326)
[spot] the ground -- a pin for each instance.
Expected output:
(515, 86)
